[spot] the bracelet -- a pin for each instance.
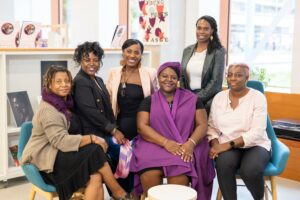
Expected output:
(91, 137)
(165, 142)
(193, 141)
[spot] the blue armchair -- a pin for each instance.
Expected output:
(280, 153)
(32, 173)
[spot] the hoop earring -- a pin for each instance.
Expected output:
(211, 38)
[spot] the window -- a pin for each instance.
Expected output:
(263, 37)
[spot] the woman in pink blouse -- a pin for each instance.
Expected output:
(237, 134)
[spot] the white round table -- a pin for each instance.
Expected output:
(171, 192)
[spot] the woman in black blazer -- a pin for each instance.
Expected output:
(203, 63)
(92, 102)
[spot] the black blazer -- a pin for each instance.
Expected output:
(212, 74)
(93, 105)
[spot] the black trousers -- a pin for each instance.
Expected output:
(251, 163)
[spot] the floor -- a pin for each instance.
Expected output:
(18, 189)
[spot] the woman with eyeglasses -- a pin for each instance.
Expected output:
(91, 97)
(128, 85)
(237, 134)
(203, 62)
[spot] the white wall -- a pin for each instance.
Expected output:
(84, 21)
(6, 10)
(295, 82)
(183, 17)
(172, 51)
(108, 20)
(194, 10)
(25, 10)
(93, 20)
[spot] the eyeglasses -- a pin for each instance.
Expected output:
(235, 75)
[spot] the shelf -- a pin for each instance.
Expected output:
(11, 129)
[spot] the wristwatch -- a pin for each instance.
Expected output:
(232, 144)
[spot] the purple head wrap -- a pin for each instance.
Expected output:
(174, 65)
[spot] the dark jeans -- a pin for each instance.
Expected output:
(251, 163)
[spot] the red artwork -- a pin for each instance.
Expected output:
(153, 21)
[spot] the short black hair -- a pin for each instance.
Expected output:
(84, 49)
(130, 42)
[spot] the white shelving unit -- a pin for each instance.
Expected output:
(20, 71)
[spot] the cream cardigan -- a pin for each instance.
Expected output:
(49, 134)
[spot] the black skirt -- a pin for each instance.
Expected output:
(72, 170)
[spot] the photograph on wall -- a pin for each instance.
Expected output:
(9, 34)
(149, 21)
(20, 106)
(45, 65)
(119, 36)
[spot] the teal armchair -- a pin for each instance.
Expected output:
(279, 157)
(31, 172)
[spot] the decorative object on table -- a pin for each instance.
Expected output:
(20, 106)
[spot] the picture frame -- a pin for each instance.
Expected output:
(20, 106)
(9, 34)
(149, 21)
(119, 36)
(30, 34)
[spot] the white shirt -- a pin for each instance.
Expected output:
(194, 69)
(248, 119)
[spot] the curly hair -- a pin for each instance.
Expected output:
(84, 49)
(215, 43)
(50, 74)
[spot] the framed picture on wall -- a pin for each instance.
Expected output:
(149, 21)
